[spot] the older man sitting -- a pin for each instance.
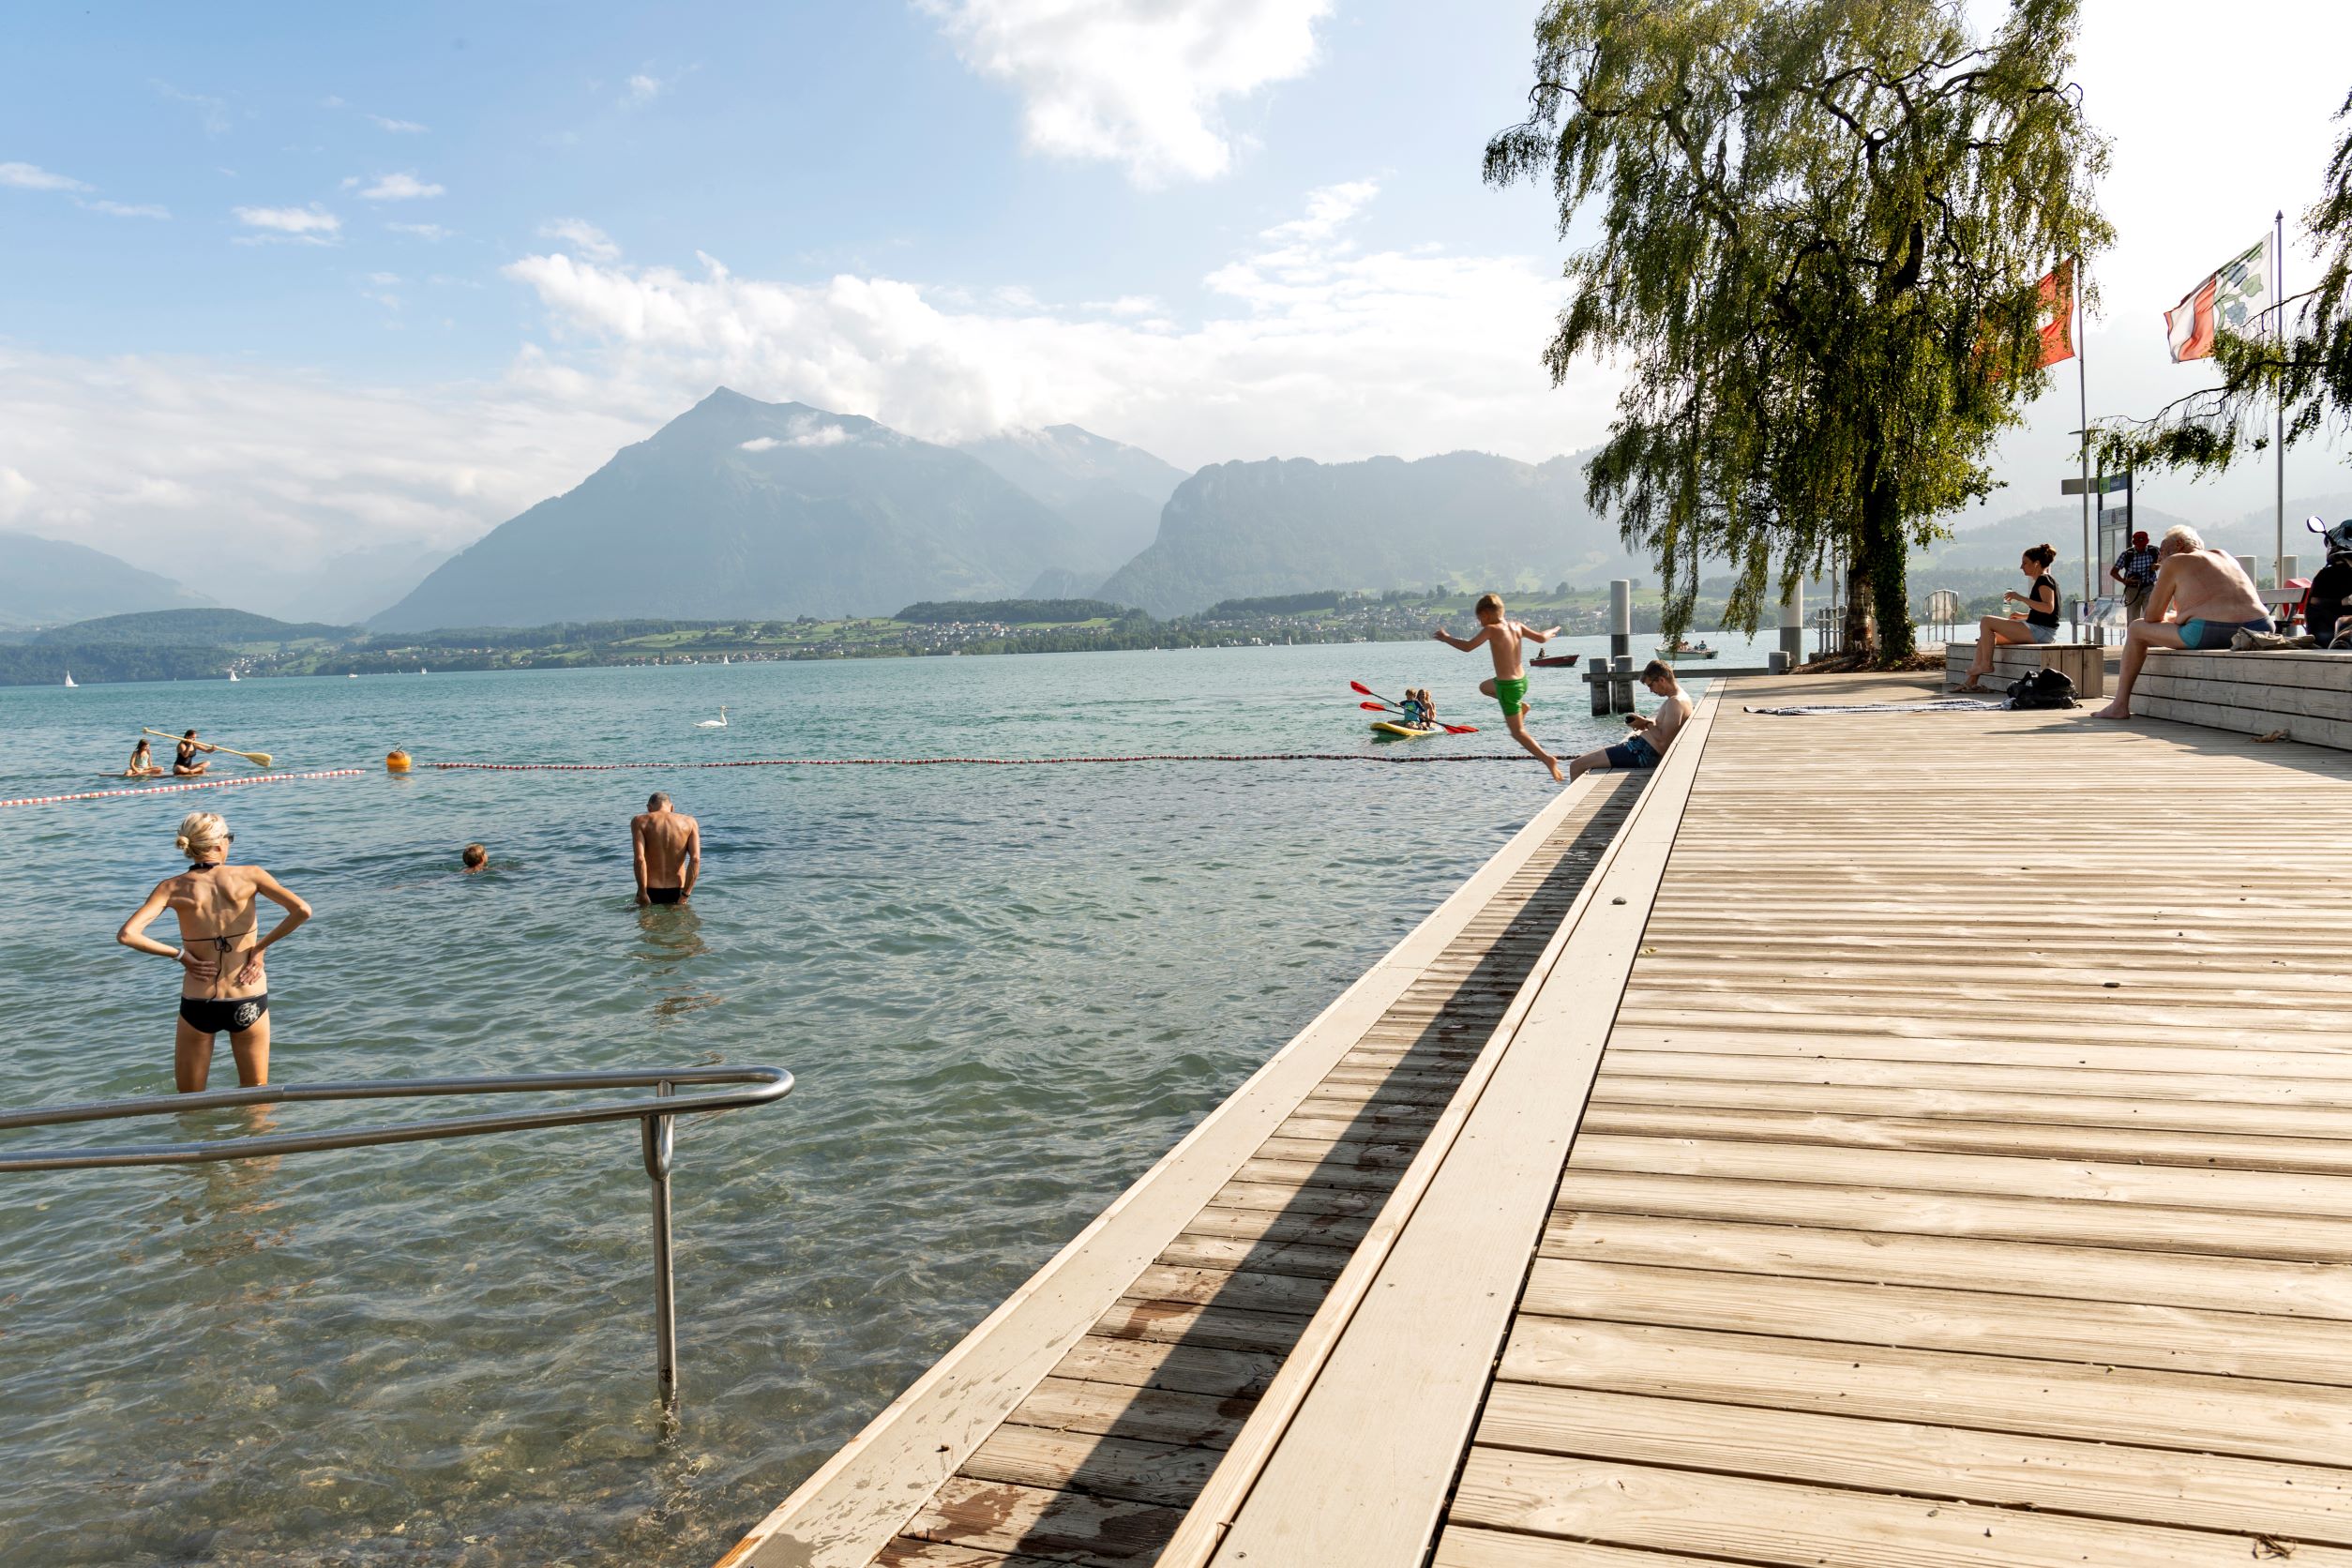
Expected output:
(2202, 599)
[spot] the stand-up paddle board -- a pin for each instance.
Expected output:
(1401, 732)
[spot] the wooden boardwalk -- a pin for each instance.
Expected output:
(1923, 1143)
(1098, 1461)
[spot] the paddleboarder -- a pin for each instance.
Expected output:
(223, 985)
(1503, 638)
(184, 763)
(142, 764)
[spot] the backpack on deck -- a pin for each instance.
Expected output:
(2043, 688)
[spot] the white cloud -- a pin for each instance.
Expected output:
(1311, 348)
(116, 454)
(802, 429)
(310, 225)
(127, 209)
(399, 188)
(26, 176)
(644, 87)
(1141, 83)
(383, 279)
(430, 232)
(398, 128)
(212, 112)
(586, 238)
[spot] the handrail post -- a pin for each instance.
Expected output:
(659, 1144)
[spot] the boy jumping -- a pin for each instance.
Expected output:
(1508, 686)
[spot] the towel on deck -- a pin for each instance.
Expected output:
(1938, 705)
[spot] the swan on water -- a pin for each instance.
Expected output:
(718, 723)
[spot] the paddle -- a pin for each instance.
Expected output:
(1386, 706)
(258, 759)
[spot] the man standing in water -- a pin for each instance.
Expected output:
(667, 846)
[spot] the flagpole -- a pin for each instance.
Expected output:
(2278, 296)
(2082, 392)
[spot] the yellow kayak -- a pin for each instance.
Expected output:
(1402, 731)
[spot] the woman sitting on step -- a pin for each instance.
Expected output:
(2038, 623)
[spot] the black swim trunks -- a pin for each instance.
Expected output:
(235, 1013)
(665, 894)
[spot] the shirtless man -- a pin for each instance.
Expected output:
(1502, 637)
(223, 985)
(1646, 747)
(2201, 598)
(184, 763)
(667, 849)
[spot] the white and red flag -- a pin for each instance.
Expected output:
(2231, 300)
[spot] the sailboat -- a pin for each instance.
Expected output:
(69, 677)
(233, 674)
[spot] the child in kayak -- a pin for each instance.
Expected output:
(1502, 639)
(1428, 709)
(1412, 713)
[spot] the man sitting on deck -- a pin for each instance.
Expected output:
(1645, 747)
(2207, 597)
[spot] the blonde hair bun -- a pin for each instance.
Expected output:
(200, 832)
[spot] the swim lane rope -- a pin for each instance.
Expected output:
(174, 789)
(990, 761)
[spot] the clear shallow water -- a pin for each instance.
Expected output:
(1006, 992)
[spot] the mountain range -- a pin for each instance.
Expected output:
(744, 509)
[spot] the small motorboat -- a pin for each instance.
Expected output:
(1687, 650)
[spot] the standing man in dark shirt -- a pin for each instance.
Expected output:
(2328, 607)
(2136, 569)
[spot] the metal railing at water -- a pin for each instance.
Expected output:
(655, 1119)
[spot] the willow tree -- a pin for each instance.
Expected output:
(2299, 370)
(1822, 226)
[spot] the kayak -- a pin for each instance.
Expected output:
(1401, 732)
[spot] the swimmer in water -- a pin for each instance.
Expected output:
(474, 858)
(222, 984)
(667, 847)
(142, 764)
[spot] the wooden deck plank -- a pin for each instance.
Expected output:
(2319, 1290)
(2193, 1491)
(1978, 1321)
(1770, 1522)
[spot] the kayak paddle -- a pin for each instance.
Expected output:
(1385, 706)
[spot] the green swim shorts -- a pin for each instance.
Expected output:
(1512, 695)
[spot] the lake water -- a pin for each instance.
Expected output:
(1006, 992)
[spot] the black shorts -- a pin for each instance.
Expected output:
(212, 1015)
(664, 895)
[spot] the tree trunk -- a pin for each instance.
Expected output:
(1859, 637)
(1879, 552)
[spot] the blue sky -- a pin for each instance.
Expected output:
(358, 278)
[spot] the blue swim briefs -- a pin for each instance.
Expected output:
(2204, 635)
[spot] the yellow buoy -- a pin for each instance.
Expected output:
(396, 763)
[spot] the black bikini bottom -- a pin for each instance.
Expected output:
(211, 1015)
(665, 894)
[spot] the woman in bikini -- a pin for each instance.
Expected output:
(222, 985)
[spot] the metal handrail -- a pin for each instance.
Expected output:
(655, 1117)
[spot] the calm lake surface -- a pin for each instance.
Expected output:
(1006, 992)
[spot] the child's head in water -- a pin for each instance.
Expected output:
(475, 857)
